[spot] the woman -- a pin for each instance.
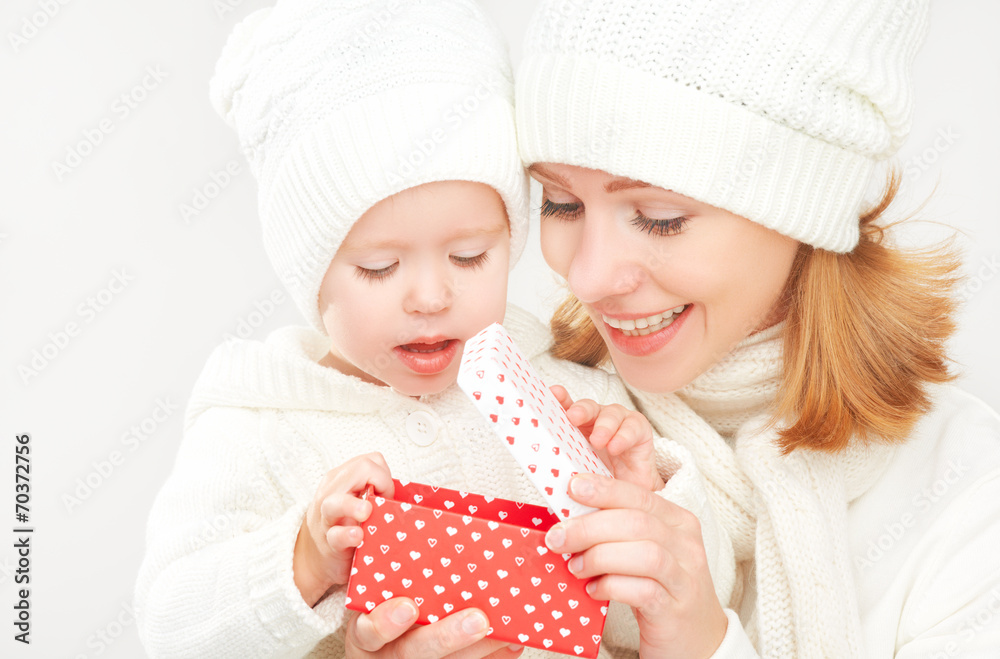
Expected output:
(704, 169)
(715, 241)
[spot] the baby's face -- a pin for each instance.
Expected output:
(419, 274)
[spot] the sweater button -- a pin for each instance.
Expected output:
(422, 427)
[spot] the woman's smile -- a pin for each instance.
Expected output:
(643, 325)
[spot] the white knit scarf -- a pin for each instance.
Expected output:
(785, 515)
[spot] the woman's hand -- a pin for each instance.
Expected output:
(623, 438)
(386, 632)
(644, 551)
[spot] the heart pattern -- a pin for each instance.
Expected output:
(471, 556)
(506, 389)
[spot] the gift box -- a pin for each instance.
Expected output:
(451, 550)
(527, 417)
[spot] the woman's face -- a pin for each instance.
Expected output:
(672, 284)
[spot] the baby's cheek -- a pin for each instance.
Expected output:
(498, 292)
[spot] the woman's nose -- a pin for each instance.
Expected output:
(604, 264)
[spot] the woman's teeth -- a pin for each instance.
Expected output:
(647, 325)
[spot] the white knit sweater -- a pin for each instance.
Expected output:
(875, 553)
(265, 422)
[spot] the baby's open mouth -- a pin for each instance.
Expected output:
(429, 356)
(437, 346)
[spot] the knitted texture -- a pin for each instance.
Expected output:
(776, 111)
(264, 425)
(786, 515)
(339, 104)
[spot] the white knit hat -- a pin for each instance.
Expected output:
(776, 110)
(339, 104)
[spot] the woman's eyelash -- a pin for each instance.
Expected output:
(566, 211)
(377, 274)
(650, 226)
(645, 224)
(474, 262)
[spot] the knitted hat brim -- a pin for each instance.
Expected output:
(465, 134)
(579, 110)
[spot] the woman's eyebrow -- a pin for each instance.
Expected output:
(540, 171)
(614, 185)
(619, 184)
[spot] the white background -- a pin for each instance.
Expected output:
(193, 282)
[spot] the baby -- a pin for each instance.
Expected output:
(393, 204)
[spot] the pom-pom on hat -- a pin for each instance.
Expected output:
(339, 104)
(777, 111)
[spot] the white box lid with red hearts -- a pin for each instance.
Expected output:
(527, 417)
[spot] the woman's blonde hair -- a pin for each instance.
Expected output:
(865, 333)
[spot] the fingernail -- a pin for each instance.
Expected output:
(403, 613)
(591, 588)
(361, 509)
(354, 534)
(575, 565)
(556, 536)
(582, 487)
(474, 623)
(514, 647)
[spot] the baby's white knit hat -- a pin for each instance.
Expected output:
(776, 110)
(339, 104)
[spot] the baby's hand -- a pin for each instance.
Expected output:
(330, 531)
(622, 437)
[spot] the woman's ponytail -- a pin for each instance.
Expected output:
(576, 338)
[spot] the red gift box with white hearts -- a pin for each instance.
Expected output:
(451, 550)
(527, 417)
